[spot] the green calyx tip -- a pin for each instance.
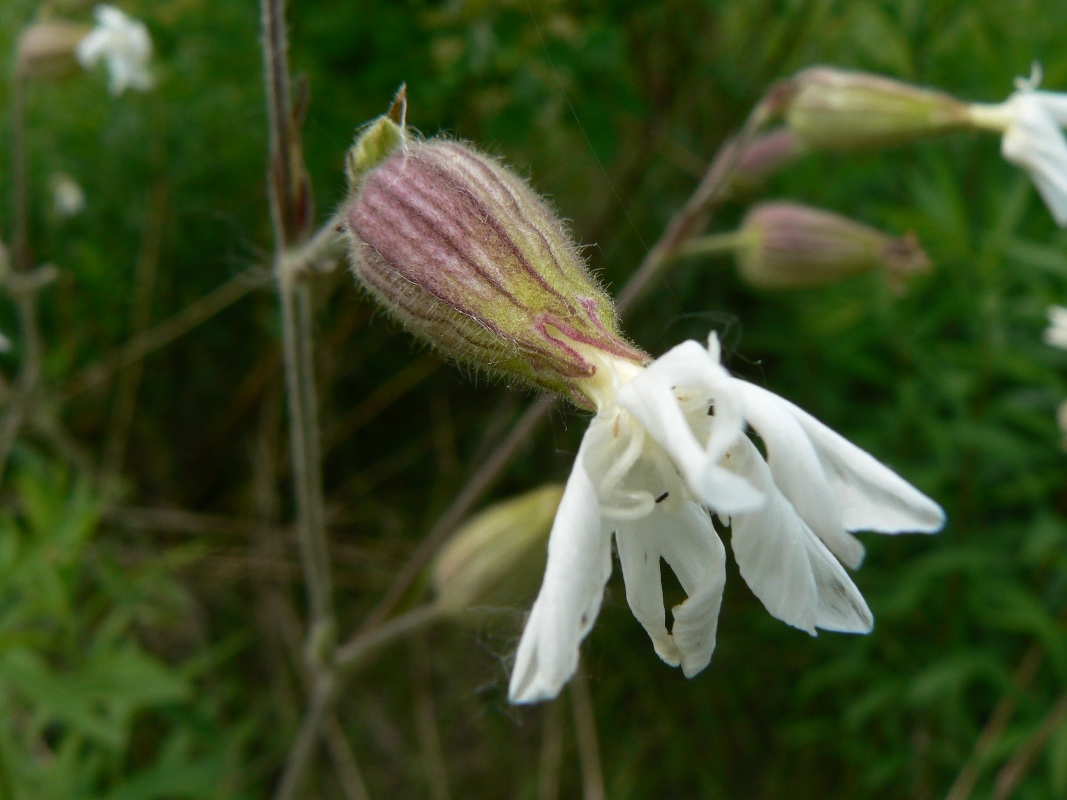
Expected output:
(377, 141)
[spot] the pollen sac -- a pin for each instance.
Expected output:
(466, 256)
(834, 109)
(791, 246)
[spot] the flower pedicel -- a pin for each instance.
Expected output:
(462, 252)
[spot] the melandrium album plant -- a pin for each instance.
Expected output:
(292, 496)
(462, 251)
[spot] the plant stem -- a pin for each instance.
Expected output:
(585, 733)
(475, 488)
(712, 245)
(551, 759)
(351, 655)
(319, 250)
(1012, 773)
(297, 339)
(25, 301)
(329, 681)
(693, 216)
(994, 728)
(323, 696)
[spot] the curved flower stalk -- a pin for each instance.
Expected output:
(462, 252)
(123, 44)
(669, 443)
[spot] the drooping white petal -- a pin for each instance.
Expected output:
(686, 540)
(1055, 103)
(1034, 142)
(579, 565)
(792, 573)
(869, 495)
(797, 471)
(650, 398)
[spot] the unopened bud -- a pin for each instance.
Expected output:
(832, 109)
(46, 50)
(791, 246)
(498, 557)
(462, 252)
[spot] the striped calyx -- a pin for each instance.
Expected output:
(833, 109)
(468, 257)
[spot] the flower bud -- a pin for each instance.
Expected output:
(791, 246)
(833, 109)
(463, 253)
(45, 51)
(497, 558)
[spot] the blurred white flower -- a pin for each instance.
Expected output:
(123, 44)
(666, 445)
(1056, 332)
(68, 199)
(1056, 335)
(1032, 122)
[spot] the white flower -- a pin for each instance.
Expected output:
(666, 445)
(1032, 122)
(123, 44)
(68, 198)
(1056, 332)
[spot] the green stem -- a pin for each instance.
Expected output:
(297, 340)
(713, 245)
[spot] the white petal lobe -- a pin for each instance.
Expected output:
(792, 573)
(870, 496)
(686, 540)
(797, 471)
(579, 565)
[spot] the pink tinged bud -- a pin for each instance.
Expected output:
(833, 109)
(791, 246)
(465, 255)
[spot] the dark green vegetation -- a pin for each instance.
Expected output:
(150, 599)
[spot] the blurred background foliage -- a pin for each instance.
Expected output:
(150, 597)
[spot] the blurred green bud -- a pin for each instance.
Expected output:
(791, 246)
(465, 255)
(832, 109)
(46, 50)
(497, 558)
